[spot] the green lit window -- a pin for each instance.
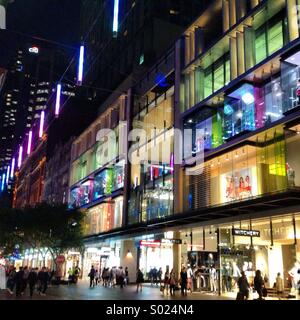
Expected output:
(261, 45)
(275, 37)
(219, 77)
(208, 83)
(227, 71)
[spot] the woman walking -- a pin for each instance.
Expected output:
(167, 281)
(139, 280)
(259, 284)
(172, 283)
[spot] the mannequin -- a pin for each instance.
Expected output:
(293, 273)
(213, 278)
(236, 273)
(2, 278)
(291, 175)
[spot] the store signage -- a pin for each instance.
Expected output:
(173, 241)
(245, 233)
(150, 243)
(60, 259)
(34, 50)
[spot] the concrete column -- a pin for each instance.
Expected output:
(225, 15)
(177, 255)
(233, 58)
(240, 53)
(128, 258)
(292, 14)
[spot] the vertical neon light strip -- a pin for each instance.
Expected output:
(172, 162)
(151, 173)
(20, 157)
(80, 66)
(116, 18)
(29, 142)
(12, 172)
(7, 174)
(57, 103)
(3, 181)
(42, 120)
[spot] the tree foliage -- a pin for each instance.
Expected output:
(54, 227)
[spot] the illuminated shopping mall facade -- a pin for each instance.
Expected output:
(241, 208)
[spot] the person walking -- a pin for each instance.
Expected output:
(183, 281)
(2, 277)
(32, 280)
(190, 277)
(243, 286)
(25, 278)
(172, 283)
(167, 281)
(19, 281)
(121, 277)
(279, 286)
(44, 277)
(11, 280)
(259, 284)
(96, 277)
(155, 275)
(139, 280)
(92, 277)
(159, 276)
(126, 276)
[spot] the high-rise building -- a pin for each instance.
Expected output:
(129, 36)
(30, 83)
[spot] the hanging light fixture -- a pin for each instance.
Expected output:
(20, 157)
(7, 174)
(12, 171)
(29, 142)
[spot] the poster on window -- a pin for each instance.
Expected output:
(238, 185)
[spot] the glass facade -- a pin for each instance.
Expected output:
(257, 168)
(104, 217)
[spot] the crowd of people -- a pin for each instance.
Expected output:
(109, 277)
(32, 278)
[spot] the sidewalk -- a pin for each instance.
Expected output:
(81, 291)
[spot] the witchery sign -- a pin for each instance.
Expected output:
(246, 233)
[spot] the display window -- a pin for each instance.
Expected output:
(258, 168)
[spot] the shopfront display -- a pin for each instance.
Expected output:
(155, 253)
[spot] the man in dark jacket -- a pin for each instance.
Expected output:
(19, 281)
(92, 277)
(32, 280)
(183, 277)
(243, 286)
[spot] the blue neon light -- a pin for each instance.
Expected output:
(228, 110)
(3, 182)
(161, 80)
(116, 18)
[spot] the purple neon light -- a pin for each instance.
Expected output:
(12, 172)
(20, 156)
(151, 173)
(29, 142)
(172, 162)
(42, 120)
(58, 96)
(80, 66)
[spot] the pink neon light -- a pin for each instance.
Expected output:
(20, 156)
(29, 142)
(42, 120)
(58, 95)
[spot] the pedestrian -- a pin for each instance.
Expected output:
(159, 275)
(139, 280)
(126, 276)
(76, 274)
(25, 278)
(96, 277)
(43, 278)
(167, 281)
(32, 280)
(11, 279)
(259, 284)
(190, 277)
(172, 283)
(183, 281)
(121, 277)
(279, 286)
(19, 281)
(92, 277)
(2, 277)
(155, 275)
(243, 285)
(70, 275)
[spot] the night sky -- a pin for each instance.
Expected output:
(57, 20)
